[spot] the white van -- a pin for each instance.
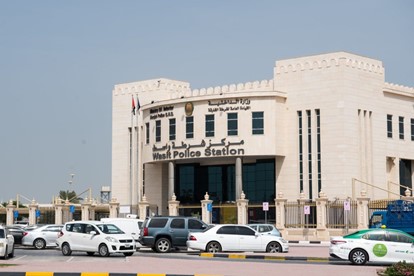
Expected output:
(131, 226)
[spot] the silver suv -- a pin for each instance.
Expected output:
(164, 233)
(94, 237)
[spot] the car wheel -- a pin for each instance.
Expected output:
(358, 256)
(66, 251)
(213, 247)
(163, 245)
(39, 243)
(90, 253)
(6, 256)
(274, 247)
(11, 255)
(103, 250)
(127, 254)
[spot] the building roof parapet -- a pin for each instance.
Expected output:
(399, 89)
(255, 86)
(327, 61)
(160, 84)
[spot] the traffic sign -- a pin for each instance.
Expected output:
(210, 207)
(37, 213)
(347, 205)
(265, 206)
(306, 210)
(72, 209)
(15, 214)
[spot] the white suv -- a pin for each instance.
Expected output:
(94, 236)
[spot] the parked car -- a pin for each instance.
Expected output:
(164, 233)
(94, 237)
(131, 226)
(233, 237)
(6, 243)
(373, 245)
(266, 229)
(16, 232)
(41, 237)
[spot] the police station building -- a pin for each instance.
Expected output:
(326, 123)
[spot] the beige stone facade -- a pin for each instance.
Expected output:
(327, 124)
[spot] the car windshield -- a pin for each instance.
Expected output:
(1, 233)
(109, 229)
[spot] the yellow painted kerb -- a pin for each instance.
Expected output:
(237, 256)
(37, 273)
(94, 274)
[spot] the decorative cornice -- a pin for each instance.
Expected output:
(327, 61)
(398, 89)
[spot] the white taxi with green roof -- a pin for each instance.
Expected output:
(373, 245)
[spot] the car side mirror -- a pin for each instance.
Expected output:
(9, 236)
(92, 233)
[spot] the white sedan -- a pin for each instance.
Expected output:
(232, 237)
(374, 245)
(6, 243)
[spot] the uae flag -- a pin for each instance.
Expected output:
(138, 105)
(133, 105)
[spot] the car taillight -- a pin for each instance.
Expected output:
(337, 242)
(25, 233)
(60, 234)
(145, 231)
(192, 238)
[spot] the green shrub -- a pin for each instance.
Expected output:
(398, 269)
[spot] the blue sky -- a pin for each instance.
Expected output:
(59, 61)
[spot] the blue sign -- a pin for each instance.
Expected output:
(15, 214)
(210, 207)
(72, 209)
(37, 213)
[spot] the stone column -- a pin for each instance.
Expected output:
(33, 206)
(239, 184)
(85, 207)
(362, 210)
(173, 206)
(170, 179)
(143, 207)
(280, 211)
(9, 211)
(205, 213)
(242, 207)
(92, 210)
(321, 230)
(113, 208)
(59, 211)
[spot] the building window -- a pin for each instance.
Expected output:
(257, 122)
(158, 131)
(189, 127)
(412, 129)
(401, 127)
(389, 126)
(300, 151)
(147, 133)
(318, 147)
(210, 125)
(309, 117)
(231, 124)
(172, 129)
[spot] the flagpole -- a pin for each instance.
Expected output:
(131, 152)
(138, 152)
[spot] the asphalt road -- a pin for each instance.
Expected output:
(309, 260)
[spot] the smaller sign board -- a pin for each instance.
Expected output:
(306, 210)
(347, 205)
(15, 214)
(124, 209)
(265, 206)
(210, 207)
(38, 213)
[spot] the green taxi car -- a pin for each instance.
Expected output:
(373, 245)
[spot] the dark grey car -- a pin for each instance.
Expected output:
(164, 233)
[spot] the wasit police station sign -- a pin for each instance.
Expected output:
(206, 148)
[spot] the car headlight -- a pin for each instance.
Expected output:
(283, 240)
(111, 239)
